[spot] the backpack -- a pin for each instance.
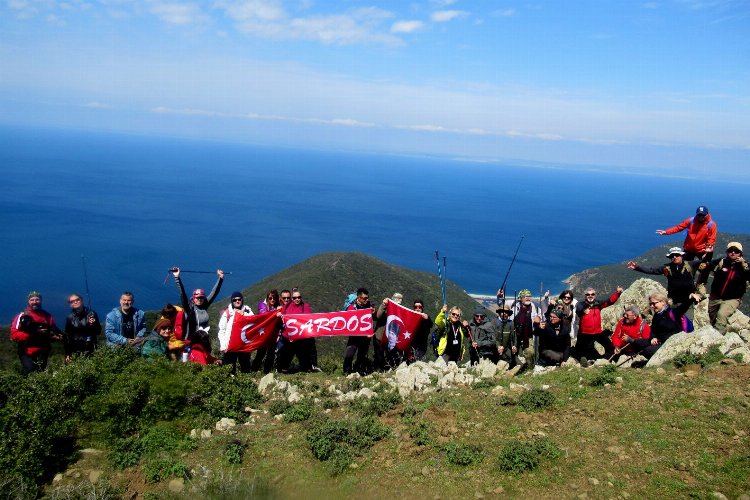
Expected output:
(690, 226)
(685, 322)
(434, 341)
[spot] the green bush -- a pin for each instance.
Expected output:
(606, 375)
(420, 433)
(463, 454)
(156, 469)
(686, 358)
(340, 441)
(278, 406)
(519, 456)
(300, 411)
(234, 452)
(379, 404)
(536, 399)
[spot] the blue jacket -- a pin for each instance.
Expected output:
(113, 328)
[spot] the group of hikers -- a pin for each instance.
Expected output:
(525, 333)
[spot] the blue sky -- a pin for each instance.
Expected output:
(657, 84)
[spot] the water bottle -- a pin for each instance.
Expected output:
(185, 354)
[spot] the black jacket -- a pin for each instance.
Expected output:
(81, 336)
(680, 279)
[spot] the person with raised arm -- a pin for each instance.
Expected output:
(197, 306)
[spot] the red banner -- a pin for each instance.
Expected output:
(253, 332)
(400, 326)
(305, 326)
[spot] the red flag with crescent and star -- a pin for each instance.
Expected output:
(400, 326)
(250, 333)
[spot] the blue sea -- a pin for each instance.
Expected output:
(126, 208)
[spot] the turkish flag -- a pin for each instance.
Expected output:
(250, 333)
(400, 325)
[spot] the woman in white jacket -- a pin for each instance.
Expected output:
(236, 306)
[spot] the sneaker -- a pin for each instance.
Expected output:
(316, 369)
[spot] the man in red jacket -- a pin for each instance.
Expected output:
(33, 330)
(630, 328)
(701, 233)
(589, 312)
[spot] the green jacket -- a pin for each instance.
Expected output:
(442, 334)
(154, 345)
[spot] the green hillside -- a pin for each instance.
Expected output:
(606, 278)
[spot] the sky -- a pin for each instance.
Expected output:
(662, 86)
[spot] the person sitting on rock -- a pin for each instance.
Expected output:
(731, 276)
(156, 344)
(630, 328)
(200, 350)
(483, 337)
(554, 339)
(590, 325)
(452, 335)
(680, 275)
(665, 323)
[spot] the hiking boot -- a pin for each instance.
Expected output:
(584, 362)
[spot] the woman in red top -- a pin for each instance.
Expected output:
(200, 350)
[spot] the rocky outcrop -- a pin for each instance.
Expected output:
(698, 343)
(637, 294)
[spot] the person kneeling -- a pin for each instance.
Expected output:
(554, 339)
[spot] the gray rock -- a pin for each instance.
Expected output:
(205, 433)
(266, 383)
(225, 424)
(94, 476)
(58, 477)
(698, 342)
(636, 294)
(486, 368)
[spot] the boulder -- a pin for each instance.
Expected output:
(698, 342)
(636, 294)
(266, 383)
(225, 424)
(486, 368)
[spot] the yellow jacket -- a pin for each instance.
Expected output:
(442, 333)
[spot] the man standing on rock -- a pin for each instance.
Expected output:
(358, 344)
(701, 233)
(680, 275)
(731, 275)
(483, 337)
(523, 312)
(589, 312)
(125, 325)
(34, 330)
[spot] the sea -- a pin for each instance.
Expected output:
(98, 213)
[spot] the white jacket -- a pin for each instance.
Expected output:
(225, 324)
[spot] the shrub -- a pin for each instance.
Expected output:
(518, 456)
(463, 454)
(157, 468)
(536, 399)
(278, 406)
(381, 403)
(234, 452)
(341, 440)
(420, 433)
(606, 375)
(300, 411)
(686, 358)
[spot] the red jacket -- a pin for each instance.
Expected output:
(33, 335)
(292, 308)
(590, 315)
(199, 355)
(633, 331)
(699, 235)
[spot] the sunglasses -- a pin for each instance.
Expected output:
(297, 297)
(590, 295)
(237, 299)
(455, 315)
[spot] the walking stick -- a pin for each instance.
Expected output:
(505, 280)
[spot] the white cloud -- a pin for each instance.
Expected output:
(97, 105)
(268, 19)
(443, 16)
(406, 26)
(177, 13)
(504, 13)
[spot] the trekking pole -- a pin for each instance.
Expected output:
(445, 285)
(621, 349)
(173, 269)
(505, 280)
(86, 280)
(632, 356)
(440, 276)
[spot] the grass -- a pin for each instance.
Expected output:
(654, 435)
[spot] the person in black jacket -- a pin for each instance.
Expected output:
(666, 322)
(554, 338)
(197, 307)
(422, 335)
(82, 328)
(731, 275)
(680, 275)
